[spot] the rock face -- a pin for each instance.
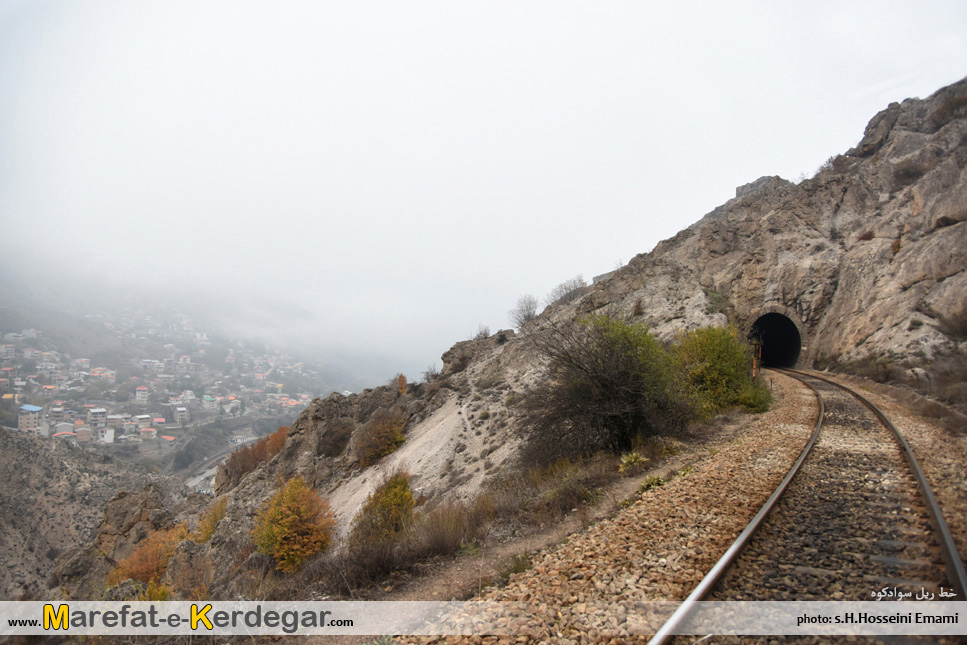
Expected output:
(52, 499)
(128, 519)
(867, 257)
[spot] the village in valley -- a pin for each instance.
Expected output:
(168, 383)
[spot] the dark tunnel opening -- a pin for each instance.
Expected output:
(781, 342)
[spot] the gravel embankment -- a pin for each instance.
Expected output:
(661, 545)
(850, 522)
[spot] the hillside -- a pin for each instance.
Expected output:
(52, 498)
(864, 261)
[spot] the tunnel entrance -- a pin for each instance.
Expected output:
(780, 339)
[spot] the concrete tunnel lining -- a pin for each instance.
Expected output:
(780, 338)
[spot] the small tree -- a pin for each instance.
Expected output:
(293, 525)
(398, 383)
(524, 311)
(150, 557)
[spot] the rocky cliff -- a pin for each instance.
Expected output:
(867, 257)
(52, 500)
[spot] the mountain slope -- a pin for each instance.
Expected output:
(867, 257)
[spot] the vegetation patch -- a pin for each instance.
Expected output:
(955, 325)
(651, 481)
(714, 365)
(607, 382)
(567, 291)
(248, 458)
(293, 525)
(209, 520)
(386, 513)
(333, 441)
(718, 303)
(381, 436)
(150, 557)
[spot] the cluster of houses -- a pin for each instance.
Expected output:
(51, 379)
(95, 424)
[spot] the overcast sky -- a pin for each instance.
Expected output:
(380, 178)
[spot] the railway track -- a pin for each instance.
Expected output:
(853, 516)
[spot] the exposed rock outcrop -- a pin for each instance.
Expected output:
(52, 500)
(867, 256)
(128, 519)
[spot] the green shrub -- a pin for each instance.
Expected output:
(631, 462)
(607, 381)
(715, 366)
(651, 481)
(386, 513)
(293, 525)
(755, 397)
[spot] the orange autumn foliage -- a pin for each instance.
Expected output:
(293, 525)
(247, 458)
(150, 556)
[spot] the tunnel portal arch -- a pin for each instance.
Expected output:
(780, 339)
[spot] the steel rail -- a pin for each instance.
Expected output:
(954, 565)
(715, 574)
(956, 574)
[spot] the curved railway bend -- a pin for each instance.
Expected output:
(856, 515)
(661, 546)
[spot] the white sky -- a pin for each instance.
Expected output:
(379, 178)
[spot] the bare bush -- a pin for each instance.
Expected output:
(955, 326)
(381, 436)
(524, 311)
(566, 291)
(430, 374)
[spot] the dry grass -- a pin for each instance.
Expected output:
(516, 503)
